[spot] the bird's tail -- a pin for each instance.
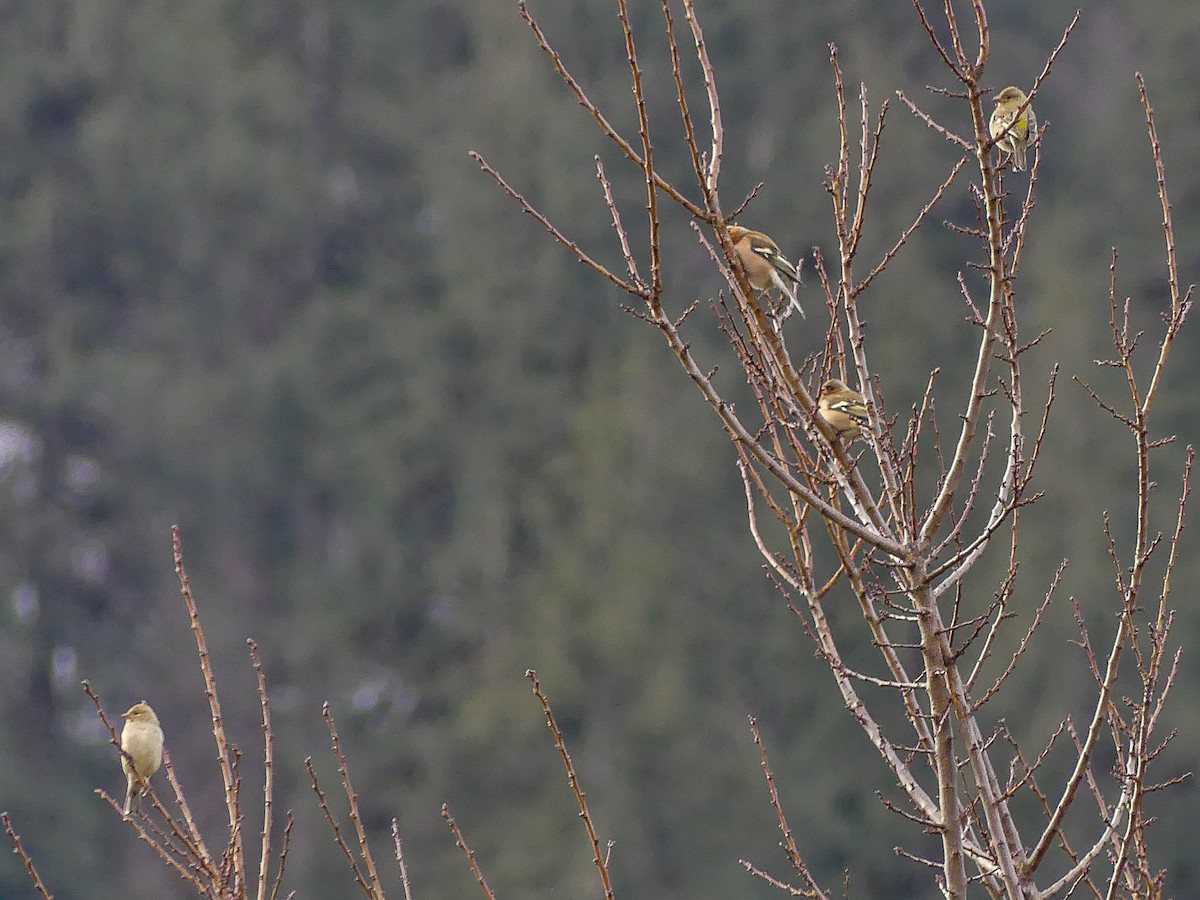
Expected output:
(133, 797)
(796, 303)
(788, 290)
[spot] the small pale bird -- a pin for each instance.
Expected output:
(765, 265)
(142, 739)
(1022, 134)
(842, 409)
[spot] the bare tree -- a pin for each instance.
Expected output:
(901, 551)
(855, 518)
(230, 875)
(173, 834)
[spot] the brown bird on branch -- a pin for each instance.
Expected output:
(1019, 130)
(765, 265)
(842, 409)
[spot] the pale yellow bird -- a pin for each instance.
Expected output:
(142, 739)
(1023, 131)
(842, 409)
(765, 265)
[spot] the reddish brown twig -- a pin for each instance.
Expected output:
(560, 744)
(461, 842)
(400, 861)
(19, 849)
(214, 705)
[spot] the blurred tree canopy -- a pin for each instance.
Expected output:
(251, 282)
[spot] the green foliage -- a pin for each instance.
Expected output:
(251, 282)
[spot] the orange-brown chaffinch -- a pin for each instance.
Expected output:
(765, 265)
(842, 409)
(142, 739)
(1023, 130)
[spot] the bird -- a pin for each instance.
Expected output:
(765, 265)
(842, 409)
(142, 740)
(1016, 139)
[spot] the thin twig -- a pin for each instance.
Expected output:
(364, 848)
(268, 769)
(462, 845)
(337, 830)
(583, 257)
(789, 842)
(283, 854)
(19, 849)
(214, 705)
(400, 861)
(580, 797)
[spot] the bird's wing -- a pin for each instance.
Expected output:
(1000, 121)
(1024, 127)
(855, 409)
(771, 254)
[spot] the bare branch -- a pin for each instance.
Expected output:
(461, 842)
(789, 843)
(364, 849)
(268, 767)
(581, 798)
(605, 127)
(400, 861)
(214, 706)
(19, 849)
(336, 828)
(583, 257)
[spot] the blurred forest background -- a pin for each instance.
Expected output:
(251, 282)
